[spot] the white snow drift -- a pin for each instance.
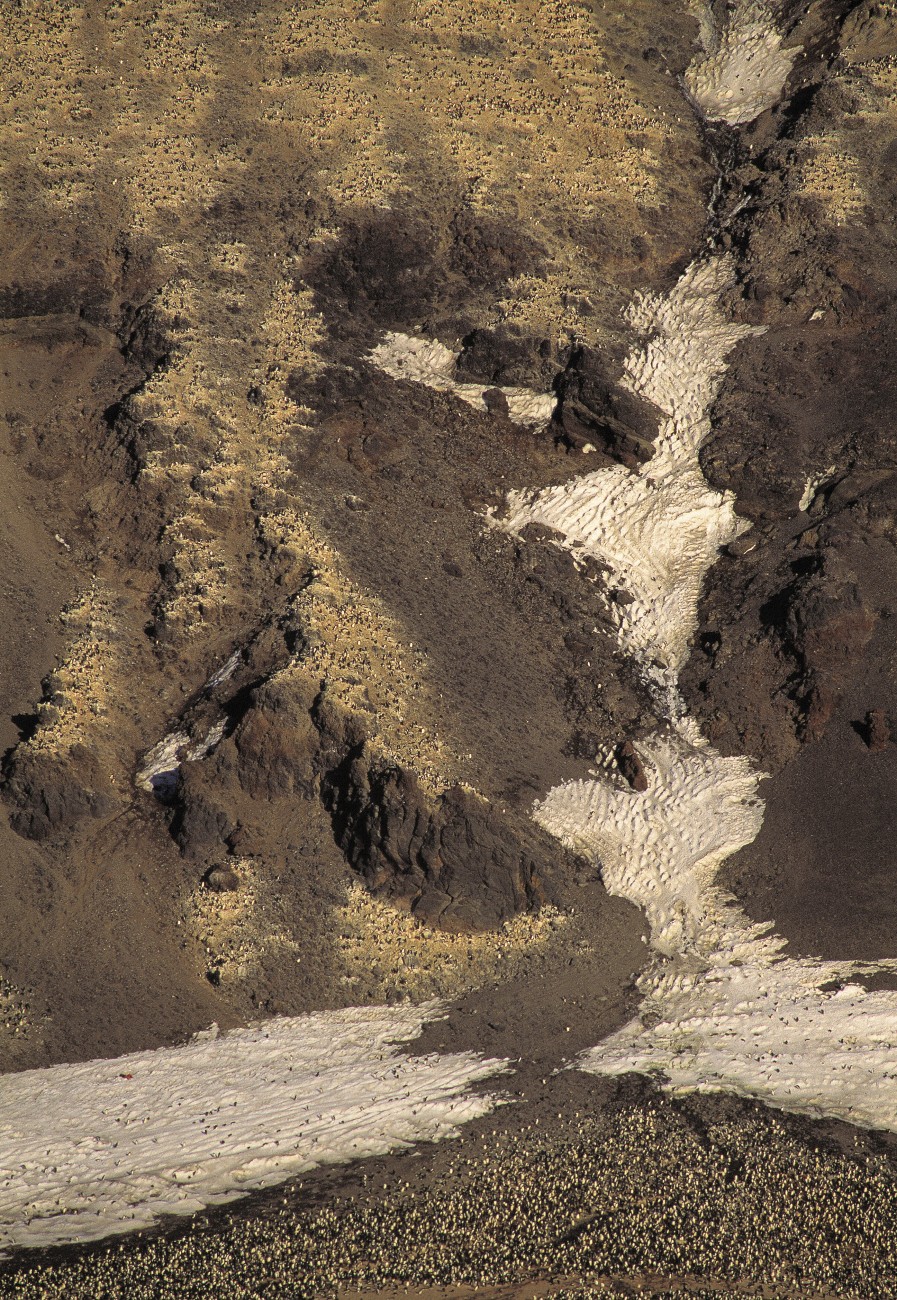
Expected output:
(722, 1008)
(158, 772)
(108, 1146)
(428, 362)
(743, 68)
(660, 529)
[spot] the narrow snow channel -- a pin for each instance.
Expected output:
(722, 1007)
(109, 1146)
(429, 362)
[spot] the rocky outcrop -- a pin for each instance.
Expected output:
(596, 412)
(631, 767)
(51, 794)
(455, 862)
(277, 742)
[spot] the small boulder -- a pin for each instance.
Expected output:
(496, 402)
(631, 767)
(877, 730)
(222, 879)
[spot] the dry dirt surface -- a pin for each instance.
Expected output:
(278, 698)
(212, 214)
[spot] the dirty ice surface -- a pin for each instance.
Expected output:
(743, 68)
(108, 1146)
(427, 361)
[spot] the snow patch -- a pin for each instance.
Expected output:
(108, 1146)
(745, 67)
(657, 530)
(722, 1007)
(763, 1027)
(428, 362)
(224, 673)
(158, 773)
(661, 848)
(813, 484)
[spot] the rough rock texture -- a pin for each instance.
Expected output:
(796, 648)
(455, 861)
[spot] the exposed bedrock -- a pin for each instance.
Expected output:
(794, 660)
(455, 860)
(596, 412)
(50, 795)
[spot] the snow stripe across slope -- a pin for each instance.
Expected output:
(109, 1146)
(428, 362)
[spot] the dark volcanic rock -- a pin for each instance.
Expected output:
(797, 638)
(877, 730)
(204, 817)
(455, 861)
(631, 766)
(504, 356)
(496, 402)
(594, 409)
(277, 742)
(52, 793)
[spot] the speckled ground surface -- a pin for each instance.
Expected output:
(213, 214)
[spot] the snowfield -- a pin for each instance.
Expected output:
(109, 1146)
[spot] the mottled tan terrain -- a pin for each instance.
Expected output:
(211, 214)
